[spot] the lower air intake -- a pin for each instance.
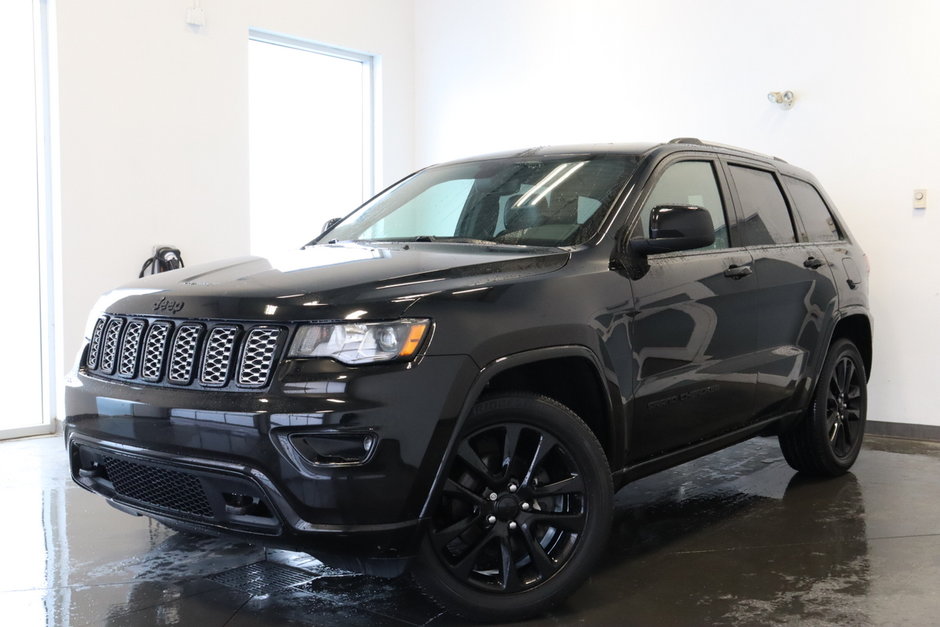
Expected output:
(162, 487)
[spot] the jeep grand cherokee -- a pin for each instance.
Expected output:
(454, 378)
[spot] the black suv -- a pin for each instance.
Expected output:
(456, 377)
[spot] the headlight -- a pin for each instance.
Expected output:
(360, 342)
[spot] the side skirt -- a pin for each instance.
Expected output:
(699, 449)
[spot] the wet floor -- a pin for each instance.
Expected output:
(736, 538)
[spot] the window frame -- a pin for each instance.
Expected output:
(48, 213)
(724, 191)
(370, 95)
(795, 211)
(795, 223)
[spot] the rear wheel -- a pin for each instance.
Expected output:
(827, 441)
(524, 512)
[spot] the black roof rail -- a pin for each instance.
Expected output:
(695, 141)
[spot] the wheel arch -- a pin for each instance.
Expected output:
(851, 323)
(855, 326)
(558, 372)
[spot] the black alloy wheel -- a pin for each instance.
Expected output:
(827, 441)
(523, 513)
(844, 407)
(513, 508)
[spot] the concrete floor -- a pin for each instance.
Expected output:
(732, 539)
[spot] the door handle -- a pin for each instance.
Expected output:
(812, 263)
(738, 272)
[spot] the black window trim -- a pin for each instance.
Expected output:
(796, 222)
(795, 211)
(649, 183)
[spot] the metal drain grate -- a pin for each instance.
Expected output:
(262, 578)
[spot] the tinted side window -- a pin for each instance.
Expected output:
(766, 217)
(820, 227)
(689, 183)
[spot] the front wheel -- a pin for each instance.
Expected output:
(827, 441)
(524, 512)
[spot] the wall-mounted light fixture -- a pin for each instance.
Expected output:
(782, 98)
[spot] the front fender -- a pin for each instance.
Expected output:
(614, 428)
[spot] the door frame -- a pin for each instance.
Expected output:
(48, 225)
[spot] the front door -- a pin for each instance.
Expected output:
(693, 333)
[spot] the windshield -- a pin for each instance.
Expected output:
(556, 201)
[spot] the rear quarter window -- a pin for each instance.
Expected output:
(817, 219)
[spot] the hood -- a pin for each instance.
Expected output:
(328, 281)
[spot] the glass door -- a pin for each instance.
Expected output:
(22, 198)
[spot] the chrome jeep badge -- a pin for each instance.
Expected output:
(168, 305)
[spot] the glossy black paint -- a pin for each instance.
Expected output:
(666, 357)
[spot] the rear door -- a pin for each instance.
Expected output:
(692, 333)
(795, 293)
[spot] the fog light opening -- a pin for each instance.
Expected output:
(93, 471)
(245, 505)
(334, 449)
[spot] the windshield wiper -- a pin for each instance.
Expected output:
(492, 244)
(453, 239)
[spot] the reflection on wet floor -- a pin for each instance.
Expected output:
(736, 538)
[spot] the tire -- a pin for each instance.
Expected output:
(827, 440)
(524, 514)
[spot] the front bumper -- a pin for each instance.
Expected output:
(222, 462)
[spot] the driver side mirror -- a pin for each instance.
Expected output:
(676, 227)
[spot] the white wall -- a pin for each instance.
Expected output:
(495, 74)
(154, 127)
(154, 120)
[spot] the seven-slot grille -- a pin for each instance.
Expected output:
(184, 353)
(130, 348)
